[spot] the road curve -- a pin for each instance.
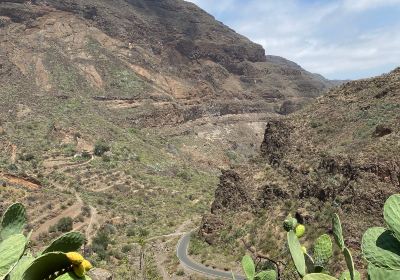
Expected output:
(182, 254)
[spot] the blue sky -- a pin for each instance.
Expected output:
(340, 39)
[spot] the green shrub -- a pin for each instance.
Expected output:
(65, 224)
(100, 148)
(127, 248)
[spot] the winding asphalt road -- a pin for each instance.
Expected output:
(182, 254)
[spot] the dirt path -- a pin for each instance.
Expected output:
(93, 220)
(178, 232)
(63, 164)
(44, 215)
(72, 211)
(161, 256)
(13, 153)
(103, 189)
(160, 259)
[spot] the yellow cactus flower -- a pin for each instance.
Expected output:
(75, 258)
(300, 230)
(87, 265)
(79, 270)
(304, 249)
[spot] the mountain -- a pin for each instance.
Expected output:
(338, 154)
(120, 114)
(127, 54)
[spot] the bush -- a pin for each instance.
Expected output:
(100, 148)
(27, 157)
(65, 224)
(126, 248)
(101, 241)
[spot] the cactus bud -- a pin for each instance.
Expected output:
(75, 258)
(300, 230)
(290, 223)
(87, 265)
(79, 270)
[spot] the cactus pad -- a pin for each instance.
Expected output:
(248, 267)
(11, 251)
(376, 273)
(349, 262)
(47, 265)
(337, 231)
(296, 252)
(14, 220)
(391, 213)
(22, 265)
(68, 242)
(381, 248)
(323, 250)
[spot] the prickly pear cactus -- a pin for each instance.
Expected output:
(248, 267)
(11, 250)
(323, 250)
(296, 253)
(337, 231)
(381, 248)
(68, 242)
(14, 220)
(391, 213)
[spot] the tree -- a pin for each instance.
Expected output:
(65, 224)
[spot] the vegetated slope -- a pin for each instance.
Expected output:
(339, 154)
(169, 55)
(171, 93)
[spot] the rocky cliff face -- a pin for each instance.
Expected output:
(339, 154)
(168, 60)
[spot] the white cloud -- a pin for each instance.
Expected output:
(361, 5)
(338, 38)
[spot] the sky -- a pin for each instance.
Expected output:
(340, 39)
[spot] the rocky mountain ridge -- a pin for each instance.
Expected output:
(338, 154)
(169, 55)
